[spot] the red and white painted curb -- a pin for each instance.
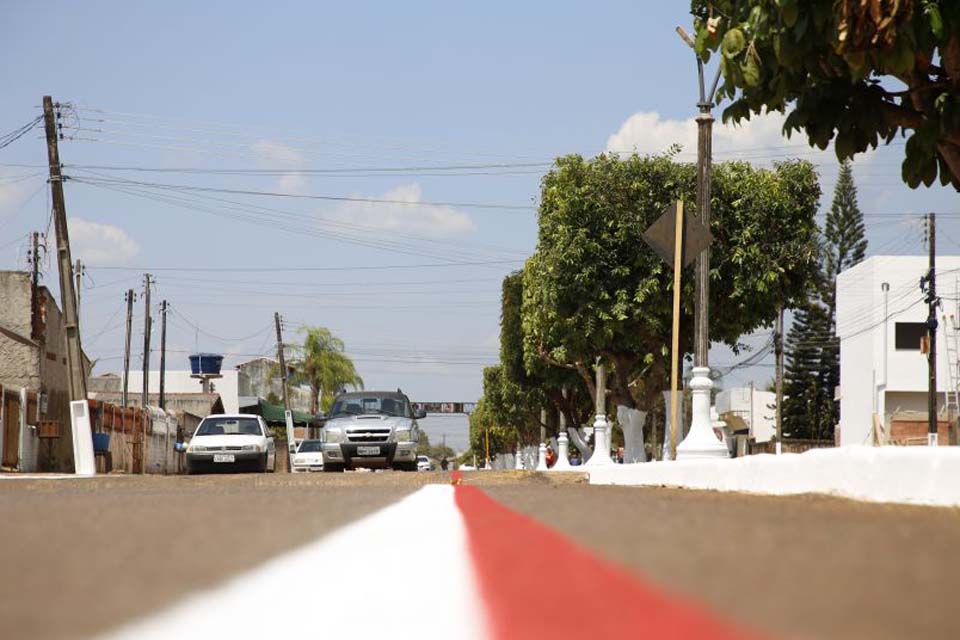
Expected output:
(446, 562)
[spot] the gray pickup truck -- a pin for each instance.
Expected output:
(372, 429)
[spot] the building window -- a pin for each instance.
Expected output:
(909, 335)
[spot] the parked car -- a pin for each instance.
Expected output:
(309, 456)
(238, 442)
(424, 464)
(372, 429)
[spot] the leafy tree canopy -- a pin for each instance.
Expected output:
(853, 71)
(593, 287)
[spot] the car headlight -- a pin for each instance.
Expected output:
(334, 436)
(252, 447)
(195, 448)
(402, 435)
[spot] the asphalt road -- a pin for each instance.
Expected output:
(81, 556)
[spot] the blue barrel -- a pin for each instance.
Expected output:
(206, 363)
(101, 442)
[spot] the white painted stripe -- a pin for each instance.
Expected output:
(402, 572)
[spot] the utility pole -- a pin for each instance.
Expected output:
(778, 350)
(78, 276)
(163, 353)
(126, 348)
(932, 303)
(287, 414)
(146, 340)
(34, 287)
(283, 364)
(76, 376)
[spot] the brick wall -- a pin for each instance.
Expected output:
(915, 431)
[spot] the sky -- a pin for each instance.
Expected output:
(401, 145)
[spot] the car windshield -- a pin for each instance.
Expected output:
(229, 427)
(371, 405)
(309, 446)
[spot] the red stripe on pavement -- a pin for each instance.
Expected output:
(538, 584)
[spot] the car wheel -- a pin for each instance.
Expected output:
(405, 466)
(332, 468)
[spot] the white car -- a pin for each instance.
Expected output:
(424, 464)
(232, 442)
(309, 456)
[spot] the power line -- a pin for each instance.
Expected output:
(9, 138)
(279, 194)
(311, 269)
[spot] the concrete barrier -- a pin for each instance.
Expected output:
(909, 475)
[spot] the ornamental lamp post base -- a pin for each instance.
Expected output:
(601, 443)
(542, 457)
(701, 442)
(563, 453)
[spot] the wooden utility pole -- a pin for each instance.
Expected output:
(283, 364)
(35, 288)
(146, 340)
(932, 303)
(126, 348)
(76, 376)
(778, 350)
(162, 403)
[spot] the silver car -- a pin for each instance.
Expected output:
(372, 429)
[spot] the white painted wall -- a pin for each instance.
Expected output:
(870, 365)
(180, 382)
(762, 419)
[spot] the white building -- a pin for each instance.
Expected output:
(180, 382)
(756, 408)
(881, 316)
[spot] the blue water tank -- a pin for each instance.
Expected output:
(206, 363)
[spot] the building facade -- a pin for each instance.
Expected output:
(757, 409)
(881, 326)
(33, 356)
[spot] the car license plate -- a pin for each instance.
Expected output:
(223, 457)
(368, 451)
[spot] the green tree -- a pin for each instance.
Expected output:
(321, 363)
(507, 414)
(808, 406)
(832, 64)
(846, 246)
(593, 287)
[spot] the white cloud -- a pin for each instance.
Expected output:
(276, 155)
(759, 140)
(434, 221)
(100, 244)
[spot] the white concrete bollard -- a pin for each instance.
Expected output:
(563, 453)
(518, 460)
(542, 457)
(701, 442)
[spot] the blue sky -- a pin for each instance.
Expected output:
(352, 86)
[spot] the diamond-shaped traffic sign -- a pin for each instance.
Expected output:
(661, 236)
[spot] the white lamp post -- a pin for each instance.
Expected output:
(601, 430)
